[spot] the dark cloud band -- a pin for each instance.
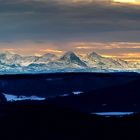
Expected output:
(59, 20)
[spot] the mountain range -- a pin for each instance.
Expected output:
(68, 62)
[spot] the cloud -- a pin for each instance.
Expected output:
(108, 48)
(50, 50)
(65, 21)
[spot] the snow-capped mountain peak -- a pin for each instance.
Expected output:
(72, 58)
(47, 58)
(94, 55)
(8, 58)
(68, 62)
(69, 55)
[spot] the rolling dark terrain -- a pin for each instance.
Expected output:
(100, 91)
(119, 98)
(46, 85)
(69, 117)
(40, 120)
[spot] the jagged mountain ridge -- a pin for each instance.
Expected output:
(70, 61)
(102, 62)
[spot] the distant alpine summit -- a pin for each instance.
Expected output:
(68, 62)
(71, 58)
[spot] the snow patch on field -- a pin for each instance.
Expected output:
(77, 92)
(11, 98)
(64, 95)
(113, 113)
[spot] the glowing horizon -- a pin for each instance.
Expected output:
(126, 1)
(133, 2)
(125, 50)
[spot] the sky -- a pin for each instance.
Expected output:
(111, 28)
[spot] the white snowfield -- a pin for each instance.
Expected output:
(12, 98)
(69, 62)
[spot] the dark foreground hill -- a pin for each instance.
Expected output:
(69, 117)
(42, 121)
(120, 98)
